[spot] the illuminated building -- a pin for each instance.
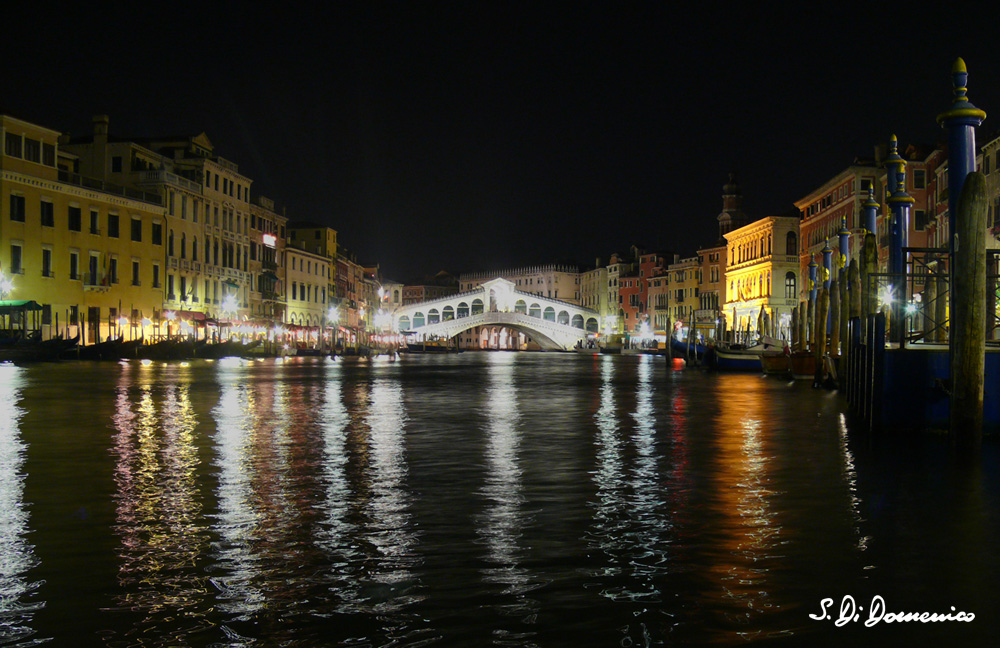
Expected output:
(594, 289)
(307, 276)
(207, 203)
(683, 281)
(763, 274)
(91, 252)
(556, 281)
(267, 262)
(837, 201)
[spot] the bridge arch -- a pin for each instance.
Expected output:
(433, 316)
(462, 310)
(563, 318)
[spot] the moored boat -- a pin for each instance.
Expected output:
(775, 363)
(803, 364)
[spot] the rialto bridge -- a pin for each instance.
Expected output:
(553, 324)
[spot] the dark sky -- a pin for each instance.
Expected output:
(463, 138)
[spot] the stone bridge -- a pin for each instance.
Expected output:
(553, 324)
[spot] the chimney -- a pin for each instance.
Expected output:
(101, 128)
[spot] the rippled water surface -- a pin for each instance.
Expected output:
(473, 500)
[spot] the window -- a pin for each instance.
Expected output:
(135, 272)
(48, 214)
(919, 220)
(156, 275)
(15, 259)
(790, 292)
(170, 241)
(49, 155)
(920, 178)
(116, 164)
(113, 225)
(170, 287)
(32, 150)
(75, 217)
(94, 229)
(791, 244)
(157, 234)
(170, 202)
(136, 229)
(183, 288)
(17, 208)
(12, 145)
(74, 265)
(46, 262)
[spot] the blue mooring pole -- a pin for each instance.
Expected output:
(960, 121)
(899, 205)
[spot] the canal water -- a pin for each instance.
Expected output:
(480, 499)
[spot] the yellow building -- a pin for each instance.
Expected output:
(89, 251)
(762, 272)
(206, 239)
(308, 276)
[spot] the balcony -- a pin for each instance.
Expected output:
(96, 281)
(107, 187)
(172, 263)
(160, 176)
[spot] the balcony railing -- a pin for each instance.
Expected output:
(108, 187)
(160, 176)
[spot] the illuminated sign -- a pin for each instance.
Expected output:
(270, 240)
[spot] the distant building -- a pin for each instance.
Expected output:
(560, 282)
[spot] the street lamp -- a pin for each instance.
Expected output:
(169, 316)
(6, 286)
(333, 316)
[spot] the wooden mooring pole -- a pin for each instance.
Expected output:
(968, 317)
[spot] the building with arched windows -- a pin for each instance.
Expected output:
(762, 275)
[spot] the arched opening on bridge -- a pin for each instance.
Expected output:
(433, 316)
(463, 309)
(563, 318)
(535, 311)
(477, 306)
(578, 321)
(592, 325)
(520, 307)
(418, 320)
(550, 314)
(500, 338)
(404, 323)
(447, 314)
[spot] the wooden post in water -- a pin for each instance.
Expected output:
(854, 281)
(844, 308)
(834, 317)
(819, 335)
(968, 317)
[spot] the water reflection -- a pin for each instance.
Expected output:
(501, 524)
(390, 583)
(238, 594)
(750, 534)
(18, 595)
(158, 513)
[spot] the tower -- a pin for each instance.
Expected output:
(732, 216)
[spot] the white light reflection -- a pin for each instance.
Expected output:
(17, 556)
(237, 516)
(391, 533)
(609, 477)
(851, 479)
(501, 523)
(338, 529)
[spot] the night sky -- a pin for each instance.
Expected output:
(463, 138)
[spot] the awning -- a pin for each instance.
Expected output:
(193, 315)
(9, 306)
